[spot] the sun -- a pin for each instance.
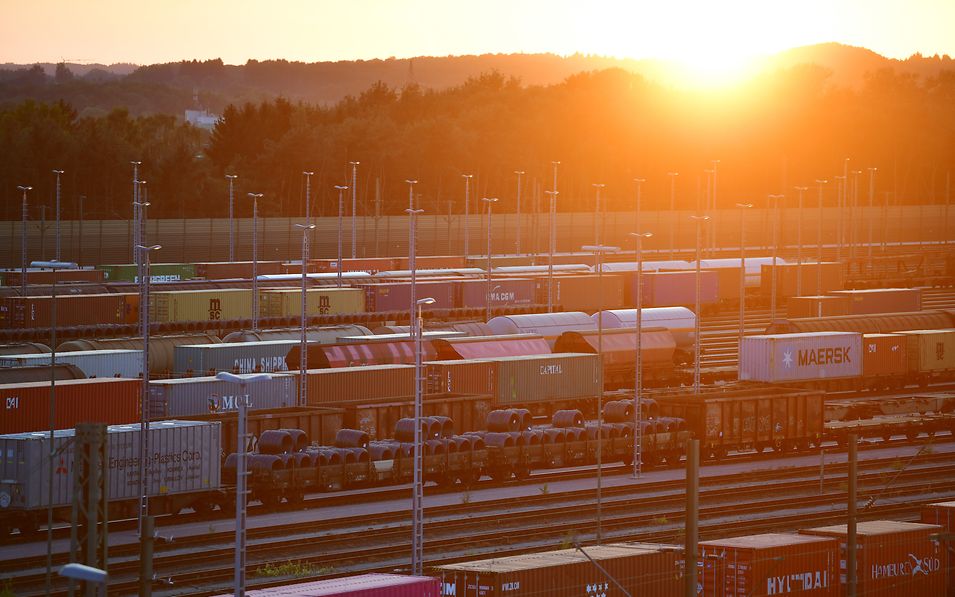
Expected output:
(725, 67)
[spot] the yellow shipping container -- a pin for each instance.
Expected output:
(200, 305)
(930, 350)
(318, 301)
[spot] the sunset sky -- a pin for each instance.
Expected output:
(704, 34)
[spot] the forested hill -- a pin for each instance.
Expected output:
(94, 90)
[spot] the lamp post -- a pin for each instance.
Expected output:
(774, 199)
(412, 250)
(255, 257)
(636, 213)
(672, 176)
(144, 253)
(519, 173)
(23, 241)
(417, 495)
(871, 218)
(490, 201)
(341, 210)
(712, 243)
(467, 203)
(709, 175)
(231, 178)
(241, 471)
(303, 343)
(597, 219)
(86, 573)
(354, 209)
(308, 198)
(801, 190)
(638, 386)
(840, 193)
(553, 246)
(136, 239)
(57, 173)
(742, 276)
(820, 182)
(699, 315)
(853, 214)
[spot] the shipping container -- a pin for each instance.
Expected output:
(543, 379)
(224, 270)
(504, 292)
(769, 564)
(584, 293)
(318, 301)
(186, 397)
(868, 324)
(727, 283)
(679, 320)
(373, 383)
(893, 558)
(396, 296)
(643, 571)
(801, 357)
(426, 262)
(158, 272)
(548, 325)
(71, 310)
(483, 347)
(371, 265)
(161, 348)
(378, 420)
(619, 350)
(675, 289)
(366, 585)
(184, 458)
(93, 363)
(328, 334)
(788, 276)
(319, 424)
(832, 305)
(943, 514)
(460, 377)
(13, 277)
(200, 305)
(754, 266)
(883, 355)
(325, 356)
(930, 351)
(234, 357)
(17, 375)
(106, 400)
(882, 300)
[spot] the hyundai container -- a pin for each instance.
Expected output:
(318, 301)
(817, 306)
(105, 400)
(234, 357)
(882, 300)
(190, 396)
(93, 363)
(778, 358)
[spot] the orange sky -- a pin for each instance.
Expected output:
(708, 35)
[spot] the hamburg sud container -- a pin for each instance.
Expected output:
(93, 363)
(200, 305)
(106, 400)
(778, 358)
(318, 301)
(883, 355)
(71, 310)
(184, 458)
(882, 300)
(943, 514)
(770, 564)
(893, 558)
(930, 351)
(158, 272)
(190, 396)
(640, 570)
(396, 296)
(366, 585)
(236, 357)
(671, 289)
(817, 306)
(505, 292)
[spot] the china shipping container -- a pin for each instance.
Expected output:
(642, 570)
(678, 289)
(817, 306)
(185, 459)
(584, 293)
(882, 300)
(93, 363)
(161, 348)
(226, 270)
(396, 296)
(318, 301)
(780, 358)
(158, 272)
(893, 558)
(930, 351)
(365, 585)
(200, 395)
(378, 420)
(200, 305)
(320, 424)
(883, 355)
(373, 383)
(234, 357)
(105, 400)
(505, 292)
(71, 310)
(47, 276)
(769, 564)
(17, 375)
(788, 275)
(943, 514)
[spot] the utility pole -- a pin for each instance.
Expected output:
(692, 514)
(354, 209)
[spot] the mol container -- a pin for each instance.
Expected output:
(776, 358)
(640, 570)
(881, 300)
(505, 292)
(943, 514)
(365, 585)
(235, 357)
(893, 558)
(93, 363)
(318, 301)
(184, 458)
(200, 305)
(817, 306)
(107, 400)
(930, 351)
(769, 564)
(883, 355)
(190, 396)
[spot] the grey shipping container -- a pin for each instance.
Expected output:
(235, 357)
(777, 358)
(184, 458)
(93, 363)
(190, 396)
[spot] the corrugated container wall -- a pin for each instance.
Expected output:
(158, 272)
(798, 357)
(200, 305)
(882, 300)
(672, 289)
(943, 514)
(471, 294)
(883, 355)
(366, 585)
(235, 357)
(833, 278)
(461, 377)
(71, 310)
(93, 363)
(584, 293)
(47, 276)
(185, 458)
(318, 301)
(817, 306)
(201, 395)
(930, 350)
(543, 378)
(373, 383)
(105, 400)
(396, 296)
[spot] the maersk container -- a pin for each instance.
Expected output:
(318, 301)
(106, 400)
(780, 358)
(672, 289)
(190, 396)
(200, 305)
(679, 320)
(930, 351)
(893, 558)
(373, 383)
(504, 292)
(882, 300)
(184, 458)
(396, 296)
(365, 585)
(93, 363)
(234, 357)
(540, 379)
(158, 272)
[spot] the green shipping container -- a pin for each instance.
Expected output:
(546, 378)
(158, 272)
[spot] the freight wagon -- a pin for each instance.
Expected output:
(618, 350)
(186, 397)
(799, 279)
(681, 322)
(867, 324)
(16, 375)
(71, 310)
(235, 357)
(161, 348)
(93, 363)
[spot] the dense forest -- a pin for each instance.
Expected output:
(785, 127)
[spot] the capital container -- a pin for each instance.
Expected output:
(892, 558)
(788, 276)
(779, 358)
(200, 305)
(930, 351)
(71, 310)
(318, 301)
(883, 355)
(396, 296)
(584, 292)
(158, 272)
(13, 277)
(943, 514)
(882, 300)
(769, 564)
(372, 383)
(641, 571)
(187, 396)
(378, 420)
(93, 363)
(235, 357)
(672, 289)
(817, 306)
(184, 457)
(105, 400)
(504, 292)
(320, 424)
(546, 378)
(365, 585)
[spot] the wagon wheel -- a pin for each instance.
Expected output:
(522, 472)
(911, 434)
(886, 436)
(501, 473)
(203, 506)
(295, 496)
(673, 458)
(269, 499)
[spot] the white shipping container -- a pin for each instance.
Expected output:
(183, 458)
(93, 363)
(264, 356)
(801, 357)
(190, 396)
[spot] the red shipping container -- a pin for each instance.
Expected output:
(770, 564)
(883, 355)
(817, 306)
(71, 310)
(943, 514)
(381, 298)
(893, 558)
(366, 585)
(225, 270)
(882, 300)
(101, 400)
(46, 276)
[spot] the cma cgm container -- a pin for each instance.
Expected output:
(396, 296)
(943, 514)
(882, 300)
(883, 356)
(189, 396)
(372, 383)
(673, 289)
(788, 278)
(930, 351)
(776, 358)
(893, 558)
(235, 357)
(318, 301)
(158, 272)
(105, 400)
(93, 363)
(366, 585)
(770, 564)
(200, 305)
(817, 306)
(71, 310)
(471, 294)
(640, 570)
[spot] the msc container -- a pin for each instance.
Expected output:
(328, 334)
(770, 564)
(235, 357)
(505, 292)
(882, 300)
(930, 351)
(48, 276)
(185, 397)
(200, 305)
(319, 424)
(672, 289)
(883, 355)
(366, 585)
(788, 275)
(484, 347)
(93, 363)
(373, 383)
(943, 514)
(893, 558)
(71, 310)
(219, 270)
(17, 375)
(161, 348)
(546, 378)
(396, 296)
(378, 420)
(184, 458)
(106, 400)
(158, 272)
(817, 306)
(640, 570)
(318, 301)
(801, 357)
(584, 293)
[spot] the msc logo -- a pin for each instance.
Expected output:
(324, 305)
(215, 308)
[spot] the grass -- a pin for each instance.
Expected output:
(290, 568)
